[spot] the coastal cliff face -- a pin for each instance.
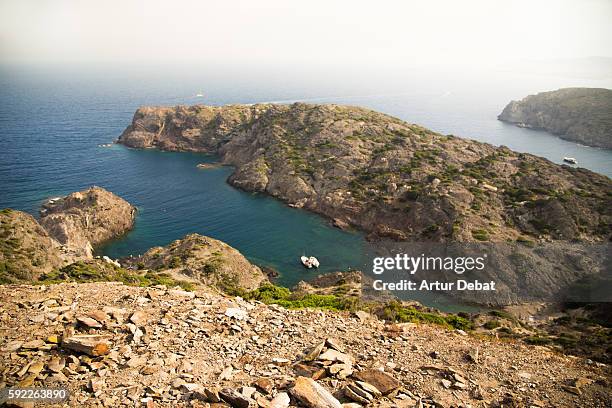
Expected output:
(582, 115)
(87, 218)
(385, 176)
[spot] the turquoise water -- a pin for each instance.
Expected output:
(52, 122)
(175, 198)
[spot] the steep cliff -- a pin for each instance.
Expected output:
(583, 115)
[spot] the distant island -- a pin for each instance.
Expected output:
(582, 115)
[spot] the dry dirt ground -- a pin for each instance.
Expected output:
(167, 347)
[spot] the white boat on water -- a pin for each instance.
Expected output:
(314, 261)
(570, 160)
(309, 262)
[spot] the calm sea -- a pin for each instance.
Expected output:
(51, 124)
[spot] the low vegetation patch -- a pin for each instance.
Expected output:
(393, 311)
(95, 272)
(272, 294)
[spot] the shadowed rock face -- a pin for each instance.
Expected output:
(385, 176)
(583, 115)
(87, 218)
(26, 250)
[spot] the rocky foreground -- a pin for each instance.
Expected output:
(582, 115)
(115, 345)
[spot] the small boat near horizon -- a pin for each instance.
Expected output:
(309, 262)
(570, 160)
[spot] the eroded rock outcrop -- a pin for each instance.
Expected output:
(87, 218)
(583, 115)
(205, 260)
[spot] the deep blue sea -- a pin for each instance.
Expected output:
(51, 123)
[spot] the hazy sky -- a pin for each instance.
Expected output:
(310, 33)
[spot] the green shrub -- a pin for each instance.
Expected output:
(537, 340)
(93, 272)
(502, 314)
(525, 241)
(492, 324)
(395, 311)
(480, 234)
(175, 262)
(272, 294)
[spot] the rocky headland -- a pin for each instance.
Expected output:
(68, 229)
(88, 218)
(582, 115)
(544, 226)
(383, 175)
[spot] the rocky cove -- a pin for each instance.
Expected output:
(402, 183)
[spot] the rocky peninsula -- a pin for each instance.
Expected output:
(383, 175)
(86, 219)
(582, 115)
